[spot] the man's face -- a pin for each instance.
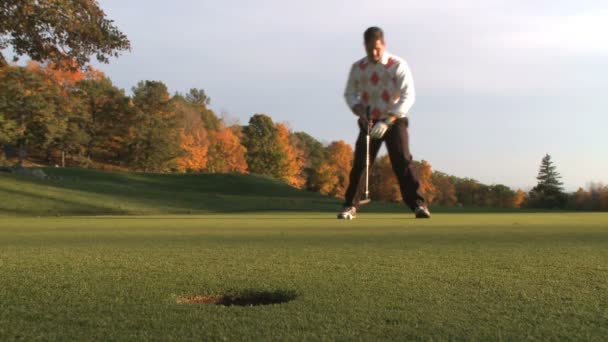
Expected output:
(374, 50)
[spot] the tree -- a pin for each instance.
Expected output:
(424, 172)
(467, 190)
(73, 142)
(155, 141)
(194, 137)
(32, 109)
(384, 185)
(292, 164)
(112, 119)
(313, 155)
(519, 199)
(445, 191)
(60, 31)
(264, 155)
(198, 96)
(332, 178)
(548, 193)
(501, 196)
(226, 153)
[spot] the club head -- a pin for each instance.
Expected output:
(364, 201)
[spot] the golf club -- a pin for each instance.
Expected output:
(366, 200)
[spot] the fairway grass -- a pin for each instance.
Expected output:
(379, 277)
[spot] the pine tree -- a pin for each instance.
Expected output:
(548, 193)
(264, 155)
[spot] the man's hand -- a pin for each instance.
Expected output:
(359, 110)
(379, 130)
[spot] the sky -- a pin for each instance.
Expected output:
(498, 83)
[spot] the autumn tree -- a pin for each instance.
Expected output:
(59, 31)
(384, 185)
(112, 119)
(199, 100)
(74, 140)
(194, 137)
(32, 109)
(519, 199)
(445, 191)
(424, 173)
(226, 153)
(313, 155)
(332, 177)
(292, 165)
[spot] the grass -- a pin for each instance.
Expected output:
(95, 192)
(381, 277)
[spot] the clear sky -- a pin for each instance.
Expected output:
(499, 83)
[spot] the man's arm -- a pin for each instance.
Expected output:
(352, 94)
(405, 82)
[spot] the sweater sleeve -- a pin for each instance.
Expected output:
(351, 93)
(407, 97)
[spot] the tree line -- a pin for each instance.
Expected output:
(58, 111)
(76, 117)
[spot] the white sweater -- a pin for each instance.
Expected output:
(387, 86)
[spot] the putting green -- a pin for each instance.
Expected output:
(381, 276)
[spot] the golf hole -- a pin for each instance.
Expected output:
(243, 298)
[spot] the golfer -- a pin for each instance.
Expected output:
(380, 86)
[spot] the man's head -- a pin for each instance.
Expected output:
(373, 39)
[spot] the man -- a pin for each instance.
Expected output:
(381, 84)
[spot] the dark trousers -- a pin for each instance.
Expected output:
(397, 144)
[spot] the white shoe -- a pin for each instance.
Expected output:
(347, 213)
(422, 212)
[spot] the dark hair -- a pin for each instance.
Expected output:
(372, 34)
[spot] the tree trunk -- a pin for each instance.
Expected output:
(22, 153)
(62, 158)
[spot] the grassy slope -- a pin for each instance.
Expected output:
(93, 192)
(382, 276)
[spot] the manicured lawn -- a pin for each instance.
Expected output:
(379, 277)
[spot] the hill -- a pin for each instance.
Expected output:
(73, 191)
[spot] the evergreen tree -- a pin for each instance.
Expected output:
(264, 155)
(548, 193)
(155, 143)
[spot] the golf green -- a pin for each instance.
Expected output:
(379, 277)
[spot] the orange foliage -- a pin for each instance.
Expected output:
(294, 162)
(384, 184)
(195, 149)
(445, 191)
(225, 154)
(424, 173)
(332, 176)
(519, 199)
(66, 77)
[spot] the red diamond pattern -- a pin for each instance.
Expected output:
(386, 96)
(365, 97)
(375, 79)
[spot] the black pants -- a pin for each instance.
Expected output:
(397, 144)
